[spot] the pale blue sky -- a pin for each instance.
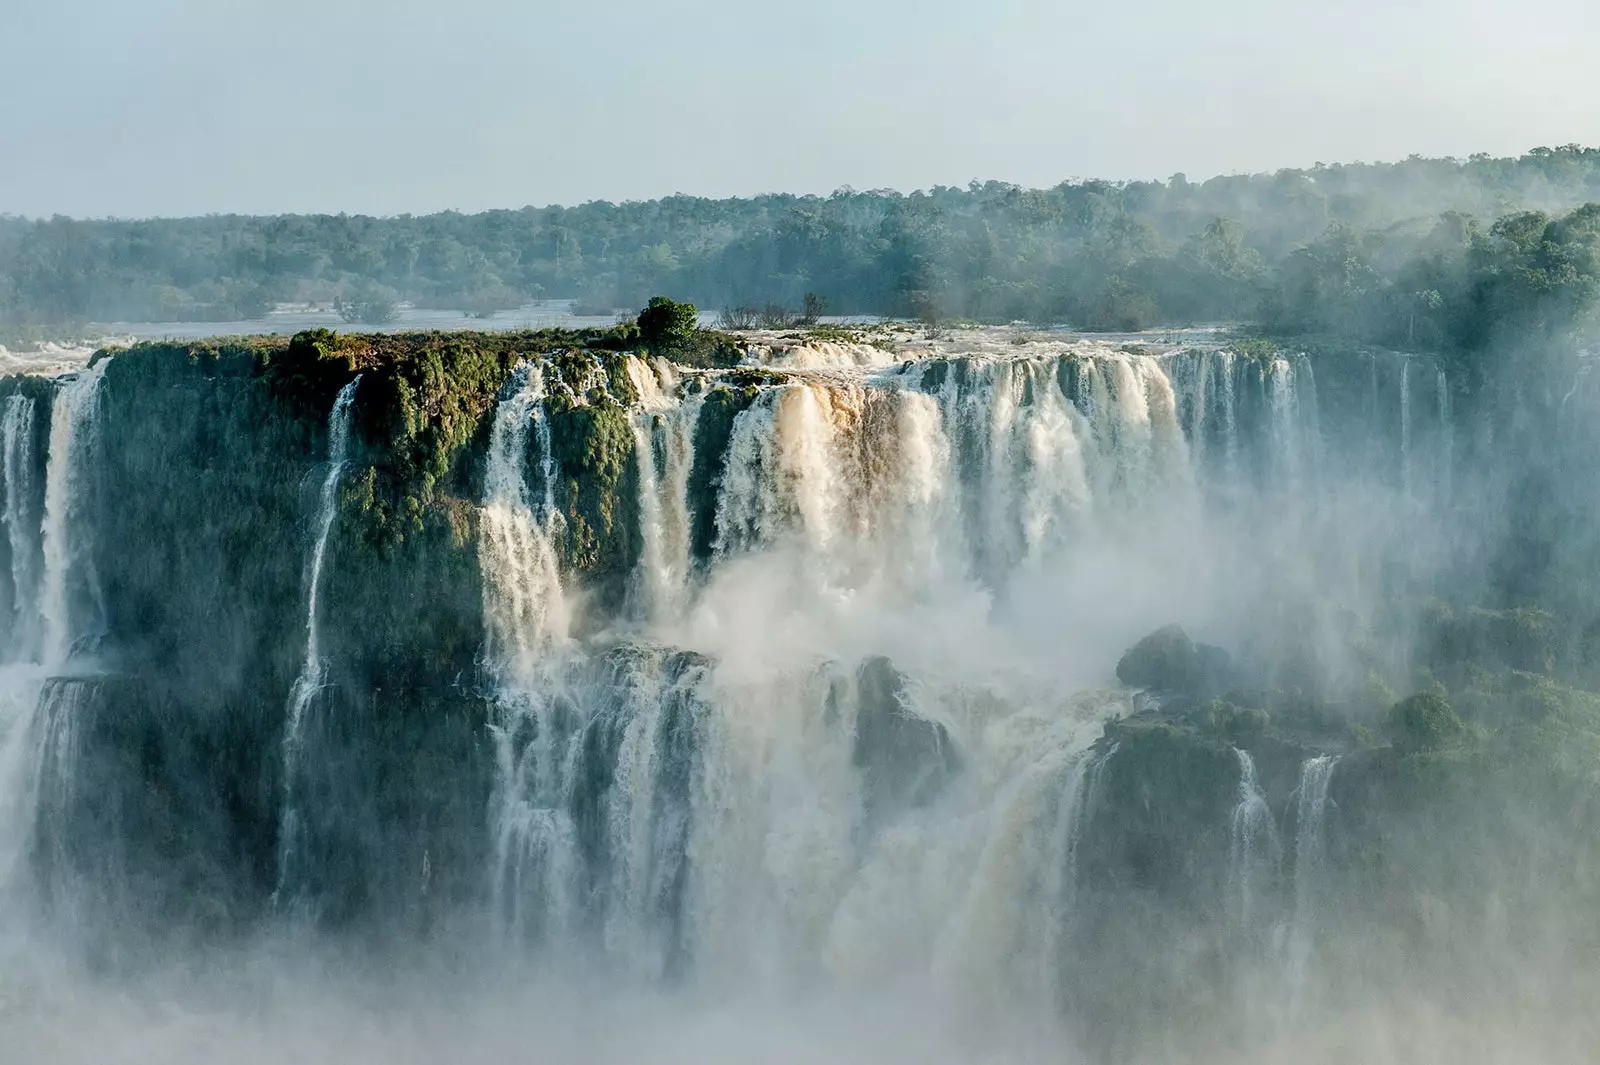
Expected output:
(139, 107)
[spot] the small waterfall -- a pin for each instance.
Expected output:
(1405, 426)
(1308, 419)
(525, 609)
(526, 618)
(21, 519)
(1227, 387)
(55, 736)
(1253, 846)
(1046, 452)
(69, 578)
(1283, 426)
(1075, 810)
(663, 435)
(1447, 434)
(1310, 871)
(22, 752)
(313, 671)
(750, 507)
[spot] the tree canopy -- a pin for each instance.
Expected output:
(1437, 254)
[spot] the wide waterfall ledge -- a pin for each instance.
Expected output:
(1112, 693)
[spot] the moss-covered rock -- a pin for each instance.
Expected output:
(597, 484)
(722, 404)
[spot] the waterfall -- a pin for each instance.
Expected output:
(526, 618)
(1284, 426)
(1405, 426)
(749, 508)
(1074, 813)
(1227, 387)
(1310, 871)
(1253, 845)
(525, 610)
(1308, 420)
(69, 576)
(21, 519)
(1447, 434)
(663, 435)
(313, 670)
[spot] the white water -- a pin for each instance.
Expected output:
(22, 526)
(710, 812)
(526, 616)
(313, 670)
(524, 606)
(1253, 849)
(1310, 874)
(1447, 433)
(731, 806)
(1405, 427)
(1049, 917)
(69, 581)
(663, 432)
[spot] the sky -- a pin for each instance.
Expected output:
(135, 108)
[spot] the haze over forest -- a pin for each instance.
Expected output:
(1428, 254)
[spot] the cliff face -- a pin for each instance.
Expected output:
(618, 656)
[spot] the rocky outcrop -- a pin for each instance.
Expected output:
(903, 757)
(1168, 661)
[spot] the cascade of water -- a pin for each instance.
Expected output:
(525, 608)
(922, 522)
(1283, 429)
(1075, 812)
(527, 619)
(1171, 475)
(313, 670)
(68, 570)
(55, 737)
(28, 730)
(1056, 490)
(21, 519)
(1131, 435)
(1254, 840)
(1405, 426)
(1308, 416)
(1310, 867)
(663, 434)
(808, 426)
(1226, 392)
(750, 506)
(1447, 434)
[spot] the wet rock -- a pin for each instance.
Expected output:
(904, 758)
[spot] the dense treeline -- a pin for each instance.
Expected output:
(1435, 253)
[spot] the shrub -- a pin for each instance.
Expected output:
(1424, 722)
(666, 325)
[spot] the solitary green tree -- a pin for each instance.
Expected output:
(667, 325)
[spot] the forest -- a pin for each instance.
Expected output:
(1441, 255)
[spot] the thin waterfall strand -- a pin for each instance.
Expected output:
(313, 670)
